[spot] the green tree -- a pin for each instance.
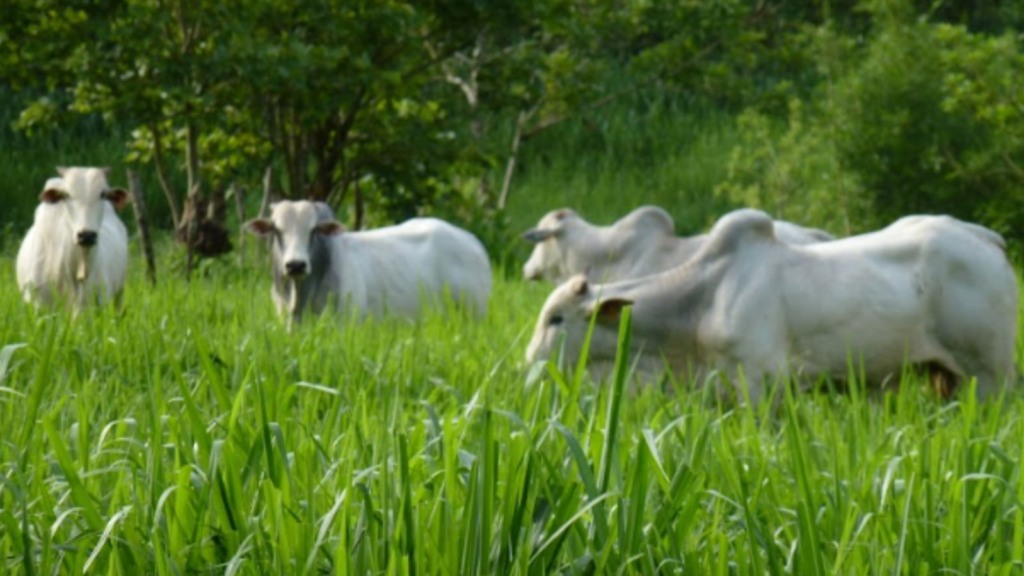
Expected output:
(919, 118)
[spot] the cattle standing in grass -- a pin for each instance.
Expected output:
(929, 291)
(77, 247)
(376, 272)
(640, 243)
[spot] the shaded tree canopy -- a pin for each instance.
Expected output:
(399, 105)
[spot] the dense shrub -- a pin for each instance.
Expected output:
(920, 119)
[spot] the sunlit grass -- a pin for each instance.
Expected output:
(665, 152)
(190, 432)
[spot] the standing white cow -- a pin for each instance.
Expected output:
(389, 270)
(930, 291)
(77, 247)
(640, 243)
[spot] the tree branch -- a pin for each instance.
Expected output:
(161, 174)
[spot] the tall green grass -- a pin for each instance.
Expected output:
(664, 151)
(190, 433)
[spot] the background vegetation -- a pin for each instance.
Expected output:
(189, 433)
(841, 114)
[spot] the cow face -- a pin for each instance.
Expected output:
(292, 225)
(82, 192)
(546, 260)
(567, 316)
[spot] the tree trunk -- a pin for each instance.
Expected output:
(238, 194)
(268, 193)
(513, 154)
(161, 174)
(135, 190)
(217, 210)
(359, 207)
(193, 211)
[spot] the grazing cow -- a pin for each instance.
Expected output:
(77, 247)
(384, 271)
(929, 291)
(640, 243)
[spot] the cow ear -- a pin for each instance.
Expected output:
(536, 235)
(609, 310)
(52, 195)
(117, 196)
(330, 228)
(260, 227)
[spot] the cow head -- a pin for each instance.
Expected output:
(547, 261)
(83, 192)
(292, 226)
(567, 316)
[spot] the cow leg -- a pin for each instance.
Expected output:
(747, 383)
(942, 381)
(989, 384)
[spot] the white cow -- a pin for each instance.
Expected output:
(384, 271)
(77, 247)
(640, 243)
(930, 291)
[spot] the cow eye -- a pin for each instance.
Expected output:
(556, 320)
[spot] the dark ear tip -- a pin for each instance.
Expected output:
(331, 228)
(536, 235)
(118, 197)
(258, 226)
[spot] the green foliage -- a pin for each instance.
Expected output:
(892, 131)
(391, 97)
(848, 114)
(980, 82)
(920, 118)
(656, 150)
(795, 174)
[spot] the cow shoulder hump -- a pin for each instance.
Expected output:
(739, 227)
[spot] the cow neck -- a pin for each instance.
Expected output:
(681, 248)
(350, 250)
(688, 288)
(597, 249)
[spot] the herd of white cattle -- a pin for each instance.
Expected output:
(753, 300)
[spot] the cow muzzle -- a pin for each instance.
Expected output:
(296, 268)
(87, 238)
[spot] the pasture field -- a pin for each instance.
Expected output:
(191, 434)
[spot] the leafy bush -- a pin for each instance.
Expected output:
(923, 118)
(794, 173)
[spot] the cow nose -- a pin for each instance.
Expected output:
(87, 238)
(295, 267)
